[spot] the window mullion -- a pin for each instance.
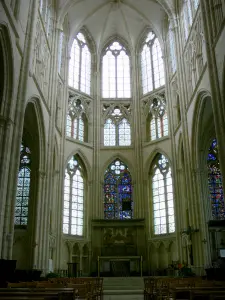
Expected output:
(78, 126)
(70, 203)
(80, 66)
(116, 73)
(166, 204)
(152, 69)
(156, 127)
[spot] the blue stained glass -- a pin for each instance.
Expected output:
(118, 190)
(215, 183)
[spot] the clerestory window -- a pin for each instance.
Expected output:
(80, 65)
(116, 72)
(152, 67)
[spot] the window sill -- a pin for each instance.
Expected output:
(116, 147)
(79, 142)
(146, 144)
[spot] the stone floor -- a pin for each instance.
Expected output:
(123, 288)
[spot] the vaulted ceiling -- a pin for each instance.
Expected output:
(106, 18)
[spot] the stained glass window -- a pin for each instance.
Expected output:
(158, 119)
(152, 67)
(23, 187)
(215, 182)
(162, 196)
(118, 192)
(117, 131)
(73, 198)
(75, 122)
(80, 65)
(116, 72)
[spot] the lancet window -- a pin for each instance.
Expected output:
(76, 122)
(118, 202)
(158, 121)
(23, 186)
(117, 129)
(80, 65)
(152, 67)
(162, 196)
(73, 212)
(216, 193)
(116, 72)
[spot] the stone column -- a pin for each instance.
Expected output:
(6, 127)
(217, 99)
(16, 136)
(38, 222)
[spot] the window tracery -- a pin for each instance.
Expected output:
(117, 128)
(80, 65)
(118, 202)
(162, 196)
(77, 118)
(157, 120)
(73, 212)
(216, 193)
(152, 67)
(23, 186)
(116, 72)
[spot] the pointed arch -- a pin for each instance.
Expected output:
(151, 158)
(81, 61)
(84, 161)
(122, 158)
(118, 202)
(36, 105)
(152, 64)
(74, 196)
(202, 99)
(116, 69)
(6, 66)
(161, 195)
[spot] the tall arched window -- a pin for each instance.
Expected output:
(118, 191)
(116, 72)
(80, 65)
(152, 68)
(215, 183)
(76, 122)
(158, 121)
(117, 131)
(73, 212)
(23, 186)
(162, 196)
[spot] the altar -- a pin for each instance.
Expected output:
(118, 247)
(120, 266)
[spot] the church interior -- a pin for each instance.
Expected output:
(112, 132)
